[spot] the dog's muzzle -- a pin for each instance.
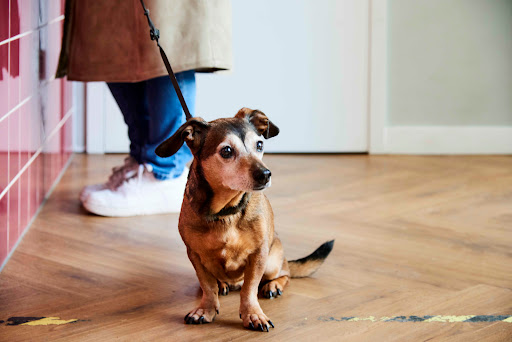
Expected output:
(261, 178)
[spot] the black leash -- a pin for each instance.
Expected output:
(155, 35)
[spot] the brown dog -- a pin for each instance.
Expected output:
(226, 221)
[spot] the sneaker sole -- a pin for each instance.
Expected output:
(108, 211)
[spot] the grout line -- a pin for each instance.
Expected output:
(21, 35)
(18, 36)
(9, 28)
(15, 108)
(38, 151)
(46, 82)
(54, 185)
(42, 84)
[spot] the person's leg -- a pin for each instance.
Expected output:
(146, 184)
(165, 117)
(131, 99)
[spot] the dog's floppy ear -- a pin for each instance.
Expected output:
(260, 121)
(192, 132)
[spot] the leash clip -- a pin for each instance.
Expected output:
(154, 34)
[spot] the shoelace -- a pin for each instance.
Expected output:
(140, 172)
(136, 175)
(129, 171)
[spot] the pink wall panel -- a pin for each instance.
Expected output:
(53, 52)
(3, 228)
(54, 9)
(4, 20)
(14, 24)
(4, 79)
(67, 96)
(4, 154)
(35, 172)
(51, 105)
(34, 125)
(28, 12)
(14, 144)
(25, 137)
(14, 72)
(24, 202)
(52, 163)
(29, 66)
(67, 137)
(14, 206)
(35, 134)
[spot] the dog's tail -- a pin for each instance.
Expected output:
(306, 266)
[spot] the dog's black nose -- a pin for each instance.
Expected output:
(261, 175)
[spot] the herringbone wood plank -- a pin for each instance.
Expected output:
(414, 236)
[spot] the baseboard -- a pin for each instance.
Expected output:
(447, 140)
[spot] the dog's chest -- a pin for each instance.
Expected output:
(230, 248)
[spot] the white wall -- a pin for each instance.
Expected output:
(302, 62)
(441, 76)
(79, 117)
(450, 62)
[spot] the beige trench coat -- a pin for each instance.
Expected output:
(108, 40)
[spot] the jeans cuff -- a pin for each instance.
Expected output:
(164, 175)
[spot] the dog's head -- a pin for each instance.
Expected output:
(229, 150)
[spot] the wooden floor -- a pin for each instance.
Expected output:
(414, 236)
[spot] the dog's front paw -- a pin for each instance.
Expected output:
(201, 316)
(255, 319)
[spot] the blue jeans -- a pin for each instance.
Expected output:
(153, 112)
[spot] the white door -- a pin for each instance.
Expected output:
(304, 63)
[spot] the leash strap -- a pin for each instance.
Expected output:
(154, 33)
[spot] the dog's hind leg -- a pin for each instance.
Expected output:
(274, 287)
(223, 288)
(277, 273)
(236, 286)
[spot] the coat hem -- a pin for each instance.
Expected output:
(207, 66)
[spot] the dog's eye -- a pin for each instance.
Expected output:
(226, 152)
(259, 146)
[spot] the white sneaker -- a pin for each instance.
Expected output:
(118, 176)
(139, 194)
